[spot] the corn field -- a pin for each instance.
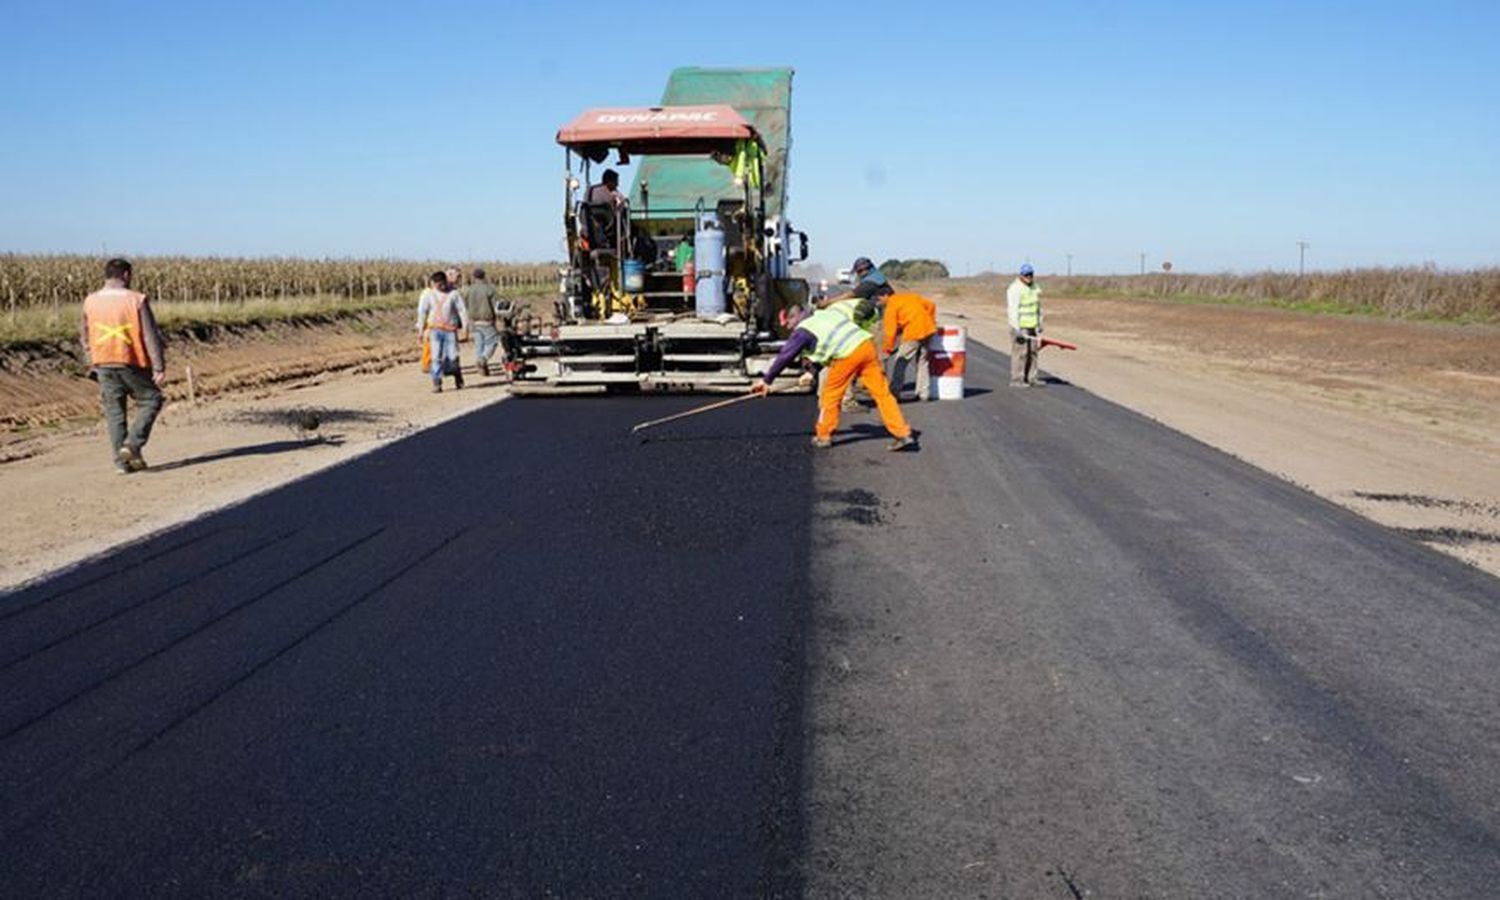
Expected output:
(30, 282)
(1415, 292)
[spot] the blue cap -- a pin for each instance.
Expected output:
(1027, 270)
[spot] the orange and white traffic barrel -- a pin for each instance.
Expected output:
(947, 357)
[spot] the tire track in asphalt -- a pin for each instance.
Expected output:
(69, 582)
(71, 630)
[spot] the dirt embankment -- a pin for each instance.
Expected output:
(44, 384)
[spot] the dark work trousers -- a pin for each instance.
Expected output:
(1025, 347)
(117, 383)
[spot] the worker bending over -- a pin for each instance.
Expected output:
(863, 303)
(914, 317)
(872, 285)
(829, 338)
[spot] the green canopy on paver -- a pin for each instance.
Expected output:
(764, 98)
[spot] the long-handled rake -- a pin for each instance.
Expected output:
(719, 404)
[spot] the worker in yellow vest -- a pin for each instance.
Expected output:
(124, 351)
(443, 318)
(830, 338)
(1023, 309)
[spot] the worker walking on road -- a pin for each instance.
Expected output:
(441, 312)
(829, 338)
(483, 304)
(125, 355)
(914, 317)
(1023, 309)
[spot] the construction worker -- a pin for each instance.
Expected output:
(871, 285)
(914, 317)
(863, 304)
(1023, 309)
(124, 350)
(828, 338)
(483, 304)
(441, 312)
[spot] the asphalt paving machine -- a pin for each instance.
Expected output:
(684, 282)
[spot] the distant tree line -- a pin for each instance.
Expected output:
(914, 269)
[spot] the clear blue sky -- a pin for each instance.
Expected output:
(1213, 135)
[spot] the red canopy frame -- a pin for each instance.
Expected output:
(658, 129)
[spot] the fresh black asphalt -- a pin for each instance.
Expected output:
(1061, 651)
(522, 653)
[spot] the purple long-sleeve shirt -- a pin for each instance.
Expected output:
(801, 341)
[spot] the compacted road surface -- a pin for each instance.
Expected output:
(1061, 651)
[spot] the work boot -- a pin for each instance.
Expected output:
(458, 381)
(131, 457)
(902, 443)
(822, 443)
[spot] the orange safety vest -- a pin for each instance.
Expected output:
(440, 316)
(911, 314)
(115, 328)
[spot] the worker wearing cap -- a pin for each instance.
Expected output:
(828, 338)
(871, 285)
(914, 317)
(1023, 309)
(863, 304)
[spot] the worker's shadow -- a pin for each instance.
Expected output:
(266, 449)
(862, 431)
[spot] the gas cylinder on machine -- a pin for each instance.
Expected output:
(708, 259)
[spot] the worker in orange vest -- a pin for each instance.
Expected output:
(914, 317)
(124, 351)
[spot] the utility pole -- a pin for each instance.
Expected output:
(1070, 265)
(1301, 257)
(1143, 263)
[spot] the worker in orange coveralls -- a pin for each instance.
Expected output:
(914, 317)
(828, 338)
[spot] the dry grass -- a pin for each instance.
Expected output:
(1417, 292)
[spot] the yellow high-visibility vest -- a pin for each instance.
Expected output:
(1029, 309)
(836, 334)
